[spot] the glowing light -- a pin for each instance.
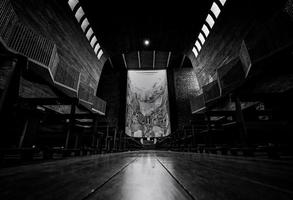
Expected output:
(146, 42)
(79, 14)
(97, 48)
(205, 30)
(72, 4)
(89, 33)
(194, 51)
(147, 93)
(100, 54)
(85, 23)
(215, 9)
(197, 44)
(223, 2)
(93, 41)
(201, 38)
(210, 21)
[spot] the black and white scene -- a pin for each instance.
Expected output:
(147, 104)
(146, 100)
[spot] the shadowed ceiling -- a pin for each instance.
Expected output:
(121, 28)
(174, 27)
(170, 27)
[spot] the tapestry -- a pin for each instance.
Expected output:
(147, 104)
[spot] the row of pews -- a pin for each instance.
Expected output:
(236, 114)
(36, 86)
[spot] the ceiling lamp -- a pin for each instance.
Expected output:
(146, 42)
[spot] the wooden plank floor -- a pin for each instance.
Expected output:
(150, 175)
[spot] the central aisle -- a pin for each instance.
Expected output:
(150, 175)
(143, 179)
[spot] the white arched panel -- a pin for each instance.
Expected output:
(72, 4)
(79, 14)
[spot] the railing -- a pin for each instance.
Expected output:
(7, 19)
(231, 75)
(42, 52)
(23, 40)
(68, 77)
(197, 103)
(211, 91)
(85, 92)
(99, 105)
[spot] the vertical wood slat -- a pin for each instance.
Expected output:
(21, 38)
(7, 19)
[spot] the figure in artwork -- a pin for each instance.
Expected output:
(147, 104)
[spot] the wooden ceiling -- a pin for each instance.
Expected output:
(146, 60)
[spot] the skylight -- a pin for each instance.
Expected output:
(84, 24)
(210, 21)
(93, 41)
(194, 51)
(208, 25)
(100, 54)
(79, 14)
(215, 9)
(205, 30)
(72, 4)
(197, 44)
(89, 33)
(223, 2)
(97, 48)
(201, 38)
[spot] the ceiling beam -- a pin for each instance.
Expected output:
(154, 59)
(168, 60)
(138, 57)
(124, 60)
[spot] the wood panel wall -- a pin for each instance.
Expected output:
(54, 20)
(264, 26)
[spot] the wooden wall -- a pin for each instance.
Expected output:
(54, 20)
(112, 89)
(265, 26)
(186, 86)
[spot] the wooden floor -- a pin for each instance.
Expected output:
(150, 175)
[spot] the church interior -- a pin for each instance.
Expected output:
(146, 100)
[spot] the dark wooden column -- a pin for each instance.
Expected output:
(10, 71)
(124, 142)
(71, 124)
(95, 133)
(241, 122)
(106, 139)
(23, 133)
(29, 134)
(193, 137)
(120, 140)
(76, 142)
(207, 135)
(114, 142)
